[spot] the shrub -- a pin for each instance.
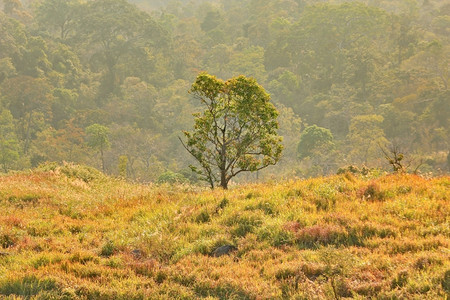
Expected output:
(252, 195)
(85, 173)
(348, 169)
(7, 240)
(354, 170)
(295, 193)
(425, 262)
(242, 229)
(171, 178)
(160, 276)
(114, 262)
(71, 212)
(324, 204)
(108, 249)
(222, 204)
(367, 288)
(203, 217)
(372, 192)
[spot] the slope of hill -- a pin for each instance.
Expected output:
(71, 233)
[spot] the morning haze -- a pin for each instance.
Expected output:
(230, 149)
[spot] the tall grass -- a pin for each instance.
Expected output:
(71, 233)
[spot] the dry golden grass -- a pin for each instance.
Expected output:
(71, 233)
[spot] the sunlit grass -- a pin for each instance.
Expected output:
(71, 233)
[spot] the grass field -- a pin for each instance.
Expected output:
(72, 233)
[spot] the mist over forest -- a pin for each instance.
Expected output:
(350, 80)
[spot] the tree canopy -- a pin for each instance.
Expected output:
(237, 130)
(314, 139)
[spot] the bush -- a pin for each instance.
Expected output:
(171, 178)
(222, 204)
(7, 240)
(85, 173)
(372, 192)
(203, 217)
(108, 249)
(354, 170)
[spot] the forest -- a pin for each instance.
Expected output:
(105, 83)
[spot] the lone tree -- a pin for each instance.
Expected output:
(237, 130)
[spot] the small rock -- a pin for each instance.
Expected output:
(223, 250)
(137, 253)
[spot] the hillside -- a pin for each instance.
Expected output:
(71, 233)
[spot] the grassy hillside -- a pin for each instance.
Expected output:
(71, 233)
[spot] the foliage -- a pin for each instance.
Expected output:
(68, 64)
(58, 15)
(237, 130)
(9, 145)
(395, 158)
(365, 134)
(313, 140)
(171, 177)
(98, 139)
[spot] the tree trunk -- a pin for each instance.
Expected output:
(223, 179)
(211, 182)
(103, 160)
(130, 168)
(27, 134)
(223, 165)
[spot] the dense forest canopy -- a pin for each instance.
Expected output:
(359, 74)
